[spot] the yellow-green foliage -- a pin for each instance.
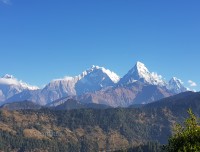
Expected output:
(186, 138)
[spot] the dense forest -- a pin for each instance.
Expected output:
(115, 129)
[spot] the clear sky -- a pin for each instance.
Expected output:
(45, 39)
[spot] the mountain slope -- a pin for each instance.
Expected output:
(95, 79)
(70, 104)
(137, 93)
(91, 80)
(20, 105)
(176, 85)
(138, 86)
(94, 130)
(185, 99)
(10, 86)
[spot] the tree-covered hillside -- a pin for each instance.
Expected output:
(93, 129)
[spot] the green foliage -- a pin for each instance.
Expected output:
(130, 124)
(90, 129)
(148, 147)
(186, 138)
(9, 142)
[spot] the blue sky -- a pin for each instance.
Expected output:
(45, 39)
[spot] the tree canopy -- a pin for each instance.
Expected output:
(186, 137)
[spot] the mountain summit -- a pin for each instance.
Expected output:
(10, 86)
(140, 73)
(8, 79)
(95, 79)
(176, 85)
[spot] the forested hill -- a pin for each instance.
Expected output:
(93, 129)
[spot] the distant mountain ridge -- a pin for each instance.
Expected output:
(22, 105)
(73, 104)
(67, 104)
(91, 80)
(101, 86)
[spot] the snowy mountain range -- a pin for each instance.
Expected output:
(10, 86)
(95, 85)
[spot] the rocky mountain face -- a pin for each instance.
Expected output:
(98, 85)
(176, 85)
(91, 80)
(138, 86)
(138, 93)
(10, 86)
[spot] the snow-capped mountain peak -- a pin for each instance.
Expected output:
(11, 80)
(95, 67)
(95, 79)
(175, 80)
(141, 73)
(100, 70)
(10, 86)
(113, 76)
(176, 85)
(141, 70)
